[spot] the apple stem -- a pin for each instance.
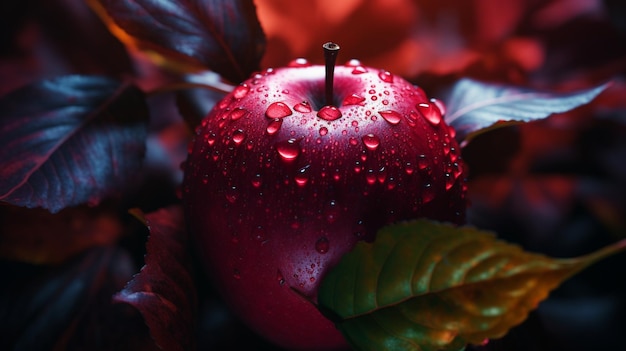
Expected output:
(330, 56)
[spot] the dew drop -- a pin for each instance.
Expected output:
(238, 136)
(259, 234)
(323, 131)
(353, 141)
(274, 126)
(458, 170)
(440, 105)
(353, 99)
(382, 175)
(224, 103)
(241, 91)
(393, 117)
(412, 118)
(359, 70)
(299, 62)
(277, 110)
(256, 180)
(329, 113)
(238, 113)
(371, 141)
(370, 177)
(431, 113)
(449, 181)
(288, 149)
(386, 76)
(280, 278)
(422, 162)
(231, 194)
(353, 63)
(302, 177)
(285, 91)
(409, 168)
(303, 107)
(428, 193)
(322, 245)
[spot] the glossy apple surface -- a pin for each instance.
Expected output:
(278, 186)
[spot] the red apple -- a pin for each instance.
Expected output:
(279, 185)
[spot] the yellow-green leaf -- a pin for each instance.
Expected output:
(424, 286)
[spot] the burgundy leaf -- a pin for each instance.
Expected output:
(224, 36)
(70, 140)
(36, 236)
(475, 107)
(164, 291)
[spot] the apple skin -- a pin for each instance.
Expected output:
(273, 202)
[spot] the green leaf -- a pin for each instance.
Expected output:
(424, 285)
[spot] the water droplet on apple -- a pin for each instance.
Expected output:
(260, 234)
(299, 62)
(353, 141)
(359, 70)
(274, 126)
(458, 170)
(224, 103)
(440, 105)
(430, 112)
(353, 99)
(322, 245)
(277, 110)
(256, 180)
(385, 76)
(371, 141)
(449, 181)
(280, 278)
(428, 193)
(231, 194)
(241, 91)
(393, 117)
(238, 136)
(353, 63)
(422, 162)
(370, 177)
(237, 113)
(210, 138)
(288, 149)
(329, 113)
(303, 107)
(409, 168)
(302, 177)
(323, 131)
(382, 175)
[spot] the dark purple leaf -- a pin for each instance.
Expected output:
(475, 107)
(164, 291)
(224, 36)
(40, 305)
(70, 140)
